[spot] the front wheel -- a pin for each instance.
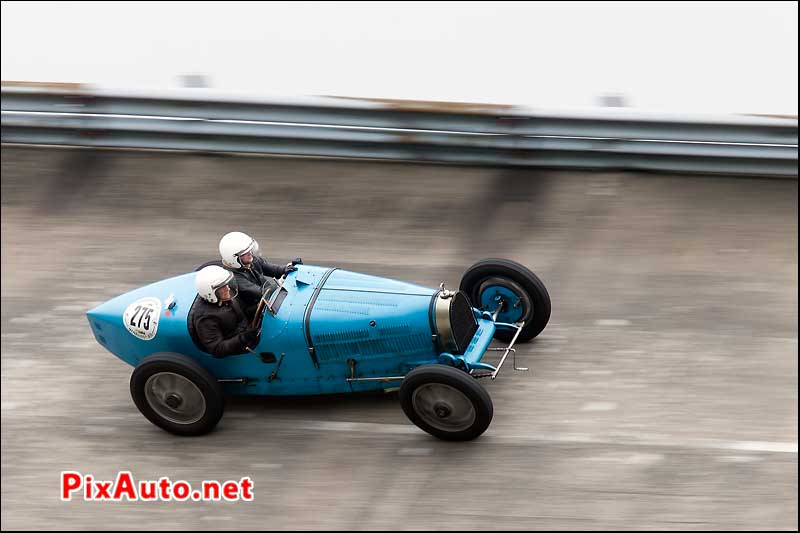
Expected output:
(492, 283)
(446, 402)
(177, 394)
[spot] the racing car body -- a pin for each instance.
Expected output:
(324, 331)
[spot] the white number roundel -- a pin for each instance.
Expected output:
(141, 318)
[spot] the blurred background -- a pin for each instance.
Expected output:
(641, 158)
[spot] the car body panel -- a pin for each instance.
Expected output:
(332, 325)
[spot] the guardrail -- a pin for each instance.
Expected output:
(416, 131)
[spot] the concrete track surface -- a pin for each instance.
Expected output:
(662, 395)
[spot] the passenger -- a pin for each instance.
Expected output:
(219, 323)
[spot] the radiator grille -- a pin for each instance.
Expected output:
(462, 322)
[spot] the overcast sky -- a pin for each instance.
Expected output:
(694, 56)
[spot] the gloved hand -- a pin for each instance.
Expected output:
(249, 337)
(289, 268)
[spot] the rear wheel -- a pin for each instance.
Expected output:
(494, 282)
(446, 402)
(177, 394)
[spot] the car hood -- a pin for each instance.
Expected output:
(344, 280)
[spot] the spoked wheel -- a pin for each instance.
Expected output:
(521, 296)
(446, 402)
(177, 394)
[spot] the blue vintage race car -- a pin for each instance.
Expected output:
(327, 331)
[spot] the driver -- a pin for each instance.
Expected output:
(240, 255)
(219, 323)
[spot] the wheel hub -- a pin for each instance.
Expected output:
(495, 292)
(442, 410)
(173, 400)
(443, 407)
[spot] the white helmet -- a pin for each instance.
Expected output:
(235, 244)
(209, 279)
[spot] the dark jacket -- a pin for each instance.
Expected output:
(250, 280)
(218, 327)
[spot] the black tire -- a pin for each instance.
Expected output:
(207, 414)
(422, 378)
(521, 276)
(216, 262)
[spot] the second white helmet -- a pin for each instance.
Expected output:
(235, 244)
(209, 279)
